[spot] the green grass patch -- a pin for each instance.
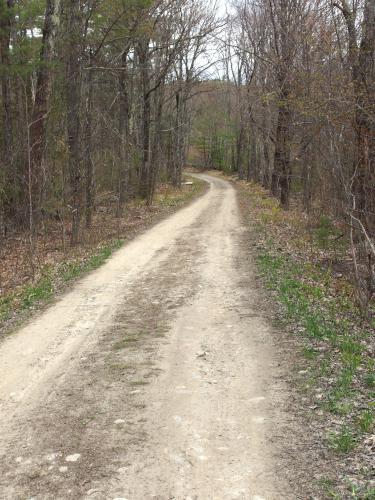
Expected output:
(366, 421)
(343, 441)
(369, 379)
(300, 264)
(328, 487)
(44, 288)
(299, 289)
(369, 494)
(303, 291)
(40, 292)
(309, 353)
(176, 197)
(72, 270)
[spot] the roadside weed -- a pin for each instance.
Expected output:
(328, 486)
(369, 494)
(305, 268)
(369, 379)
(41, 291)
(343, 441)
(46, 285)
(309, 353)
(366, 421)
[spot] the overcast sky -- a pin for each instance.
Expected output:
(223, 6)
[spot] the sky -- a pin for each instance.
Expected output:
(223, 5)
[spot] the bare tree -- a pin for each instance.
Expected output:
(73, 104)
(38, 138)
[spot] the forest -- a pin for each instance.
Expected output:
(117, 96)
(187, 249)
(94, 97)
(294, 112)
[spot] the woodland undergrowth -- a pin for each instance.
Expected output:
(303, 265)
(29, 283)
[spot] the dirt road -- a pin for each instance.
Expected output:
(154, 378)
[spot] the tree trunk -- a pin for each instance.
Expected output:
(146, 119)
(364, 180)
(239, 150)
(40, 109)
(89, 164)
(7, 171)
(252, 173)
(281, 173)
(156, 145)
(181, 131)
(5, 33)
(361, 59)
(124, 116)
(306, 185)
(145, 166)
(73, 101)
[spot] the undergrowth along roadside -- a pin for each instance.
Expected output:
(53, 278)
(50, 279)
(335, 375)
(63, 272)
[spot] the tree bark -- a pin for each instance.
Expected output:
(6, 165)
(5, 34)
(73, 102)
(156, 144)
(38, 138)
(146, 118)
(181, 130)
(281, 174)
(239, 150)
(124, 117)
(361, 59)
(364, 180)
(88, 160)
